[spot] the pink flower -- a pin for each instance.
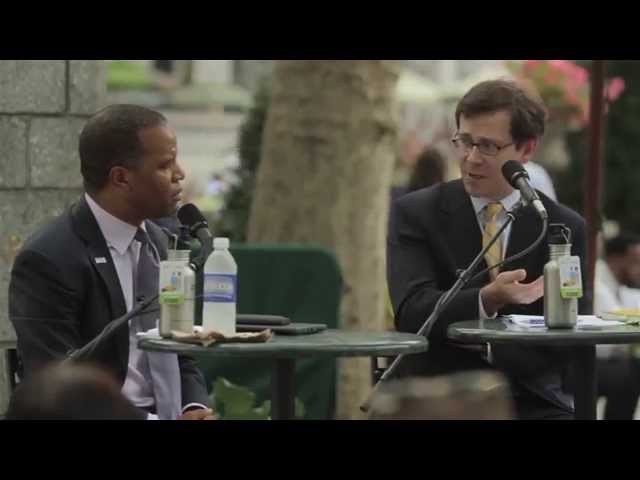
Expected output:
(552, 76)
(615, 88)
(531, 64)
(564, 87)
(575, 73)
(582, 76)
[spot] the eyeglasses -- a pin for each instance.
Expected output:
(485, 147)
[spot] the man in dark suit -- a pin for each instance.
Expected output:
(438, 230)
(94, 263)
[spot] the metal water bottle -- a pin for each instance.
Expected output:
(177, 290)
(559, 312)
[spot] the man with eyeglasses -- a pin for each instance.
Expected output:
(436, 231)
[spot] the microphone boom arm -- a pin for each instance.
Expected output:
(88, 349)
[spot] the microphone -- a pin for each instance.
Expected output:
(191, 217)
(518, 178)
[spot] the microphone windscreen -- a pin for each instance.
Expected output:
(512, 170)
(189, 215)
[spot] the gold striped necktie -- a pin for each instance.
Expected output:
(494, 254)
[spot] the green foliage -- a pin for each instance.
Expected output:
(620, 174)
(234, 218)
(234, 402)
(127, 75)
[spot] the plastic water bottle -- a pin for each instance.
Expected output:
(220, 289)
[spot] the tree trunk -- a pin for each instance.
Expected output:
(327, 158)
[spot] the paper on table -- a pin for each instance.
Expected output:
(206, 338)
(537, 321)
(531, 321)
(593, 321)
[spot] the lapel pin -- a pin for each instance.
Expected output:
(101, 260)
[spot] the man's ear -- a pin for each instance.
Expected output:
(120, 178)
(529, 149)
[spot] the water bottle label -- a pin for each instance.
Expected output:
(570, 277)
(171, 285)
(219, 288)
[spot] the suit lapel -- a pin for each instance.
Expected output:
(109, 276)
(461, 230)
(462, 233)
(87, 227)
(524, 230)
(99, 255)
(158, 238)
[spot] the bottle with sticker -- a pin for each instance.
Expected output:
(220, 289)
(177, 289)
(562, 280)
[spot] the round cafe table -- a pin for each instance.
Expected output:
(581, 342)
(284, 350)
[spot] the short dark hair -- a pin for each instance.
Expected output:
(430, 168)
(620, 245)
(111, 138)
(71, 392)
(527, 110)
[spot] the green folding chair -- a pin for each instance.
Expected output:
(303, 283)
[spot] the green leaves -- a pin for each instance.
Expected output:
(235, 402)
(127, 75)
(233, 220)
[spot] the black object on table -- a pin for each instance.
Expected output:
(290, 329)
(257, 319)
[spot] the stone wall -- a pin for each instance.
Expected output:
(43, 106)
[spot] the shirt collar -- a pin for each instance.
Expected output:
(507, 202)
(117, 233)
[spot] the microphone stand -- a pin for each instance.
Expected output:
(108, 331)
(443, 302)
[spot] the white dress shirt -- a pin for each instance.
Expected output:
(609, 294)
(508, 203)
(125, 252)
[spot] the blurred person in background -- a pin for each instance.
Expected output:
(71, 392)
(473, 395)
(541, 180)
(617, 287)
(429, 169)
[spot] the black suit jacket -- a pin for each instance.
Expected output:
(434, 232)
(60, 298)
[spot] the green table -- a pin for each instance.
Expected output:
(581, 342)
(283, 350)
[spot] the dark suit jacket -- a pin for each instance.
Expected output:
(60, 298)
(434, 232)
